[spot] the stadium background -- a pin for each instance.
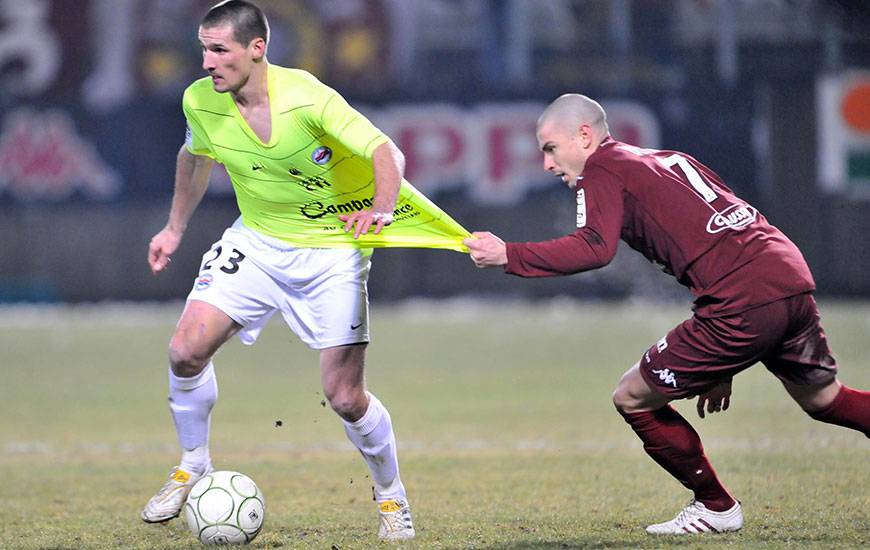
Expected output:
(772, 95)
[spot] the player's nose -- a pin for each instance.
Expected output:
(549, 165)
(207, 62)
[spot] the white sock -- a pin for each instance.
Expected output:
(191, 400)
(373, 436)
(195, 461)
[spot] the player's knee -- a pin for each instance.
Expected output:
(623, 399)
(184, 360)
(347, 403)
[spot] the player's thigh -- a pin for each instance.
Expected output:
(202, 329)
(231, 281)
(699, 353)
(329, 308)
(803, 361)
(342, 369)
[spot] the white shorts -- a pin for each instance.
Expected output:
(321, 292)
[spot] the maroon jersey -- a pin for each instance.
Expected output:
(679, 214)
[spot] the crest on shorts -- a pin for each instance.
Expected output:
(321, 155)
(203, 282)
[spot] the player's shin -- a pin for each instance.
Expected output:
(191, 401)
(672, 442)
(373, 436)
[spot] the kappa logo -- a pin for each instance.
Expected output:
(666, 376)
(203, 282)
(736, 217)
(321, 155)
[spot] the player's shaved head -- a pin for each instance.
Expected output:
(574, 110)
(247, 20)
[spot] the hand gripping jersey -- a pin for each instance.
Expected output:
(679, 214)
(316, 165)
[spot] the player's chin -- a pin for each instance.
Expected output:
(219, 85)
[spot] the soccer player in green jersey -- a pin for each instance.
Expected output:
(300, 159)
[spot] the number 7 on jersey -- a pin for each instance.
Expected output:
(695, 179)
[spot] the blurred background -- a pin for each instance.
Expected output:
(772, 94)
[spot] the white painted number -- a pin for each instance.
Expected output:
(695, 179)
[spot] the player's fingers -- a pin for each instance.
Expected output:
(379, 226)
(726, 402)
(362, 226)
(472, 244)
(348, 221)
(701, 407)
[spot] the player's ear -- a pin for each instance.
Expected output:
(586, 135)
(258, 47)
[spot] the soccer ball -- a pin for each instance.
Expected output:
(225, 508)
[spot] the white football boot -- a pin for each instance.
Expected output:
(396, 521)
(696, 519)
(169, 500)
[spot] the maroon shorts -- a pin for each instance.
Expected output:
(785, 335)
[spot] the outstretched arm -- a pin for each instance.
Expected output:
(389, 165)
(191, 181)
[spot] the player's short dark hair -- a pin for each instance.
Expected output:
(248, 21)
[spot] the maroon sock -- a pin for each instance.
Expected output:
(851, 408)
(672, 442)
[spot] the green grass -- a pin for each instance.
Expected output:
(507, 436)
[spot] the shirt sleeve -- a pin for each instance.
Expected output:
(349, 126)
(600, 206)
(195, 139)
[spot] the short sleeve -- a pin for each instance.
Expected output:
(195, 139)
(349, 126)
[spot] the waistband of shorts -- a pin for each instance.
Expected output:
(277, 244)
(271, 242)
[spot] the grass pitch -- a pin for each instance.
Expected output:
(507, 437)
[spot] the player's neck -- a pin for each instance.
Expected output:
(255, 91)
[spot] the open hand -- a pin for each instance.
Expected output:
(716, 399)
(364, 220)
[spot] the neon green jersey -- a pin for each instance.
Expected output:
(316, 165)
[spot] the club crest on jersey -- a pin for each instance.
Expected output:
(321, 155)
(203, 282)
(581, 208)
(736, 217)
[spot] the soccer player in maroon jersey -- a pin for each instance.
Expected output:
(752, 288)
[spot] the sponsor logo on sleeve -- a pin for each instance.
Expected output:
(736, 217)
(581, 208)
